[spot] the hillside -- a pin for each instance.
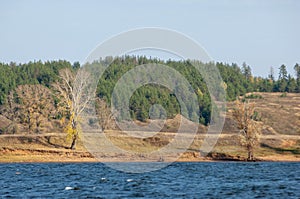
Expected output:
(279, 112)
(20, 84)
(280, 140)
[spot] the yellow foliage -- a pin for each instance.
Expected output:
(199, 92)
(72, 130)
(69, 130)
(224, 85)
(251, 79)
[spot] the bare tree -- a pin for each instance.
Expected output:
(75, 92)
(244, 114)
(30, 105)
(10, 111)
(105, 115)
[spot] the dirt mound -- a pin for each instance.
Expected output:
(172, 125)
(224, 157)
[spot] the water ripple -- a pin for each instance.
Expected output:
(179, 180)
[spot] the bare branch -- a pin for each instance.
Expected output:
(75, 93)
(243, 115)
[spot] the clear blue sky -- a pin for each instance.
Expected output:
(262, 33)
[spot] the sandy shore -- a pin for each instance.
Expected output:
(8, 155)
(54, 148)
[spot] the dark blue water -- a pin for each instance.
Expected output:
(179, 180)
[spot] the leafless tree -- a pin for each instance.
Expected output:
(10, 111)
(243, 115)
(105, 115)
(30, 105)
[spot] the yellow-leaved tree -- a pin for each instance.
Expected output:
(75, 93)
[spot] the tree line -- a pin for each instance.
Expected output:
(25, 89)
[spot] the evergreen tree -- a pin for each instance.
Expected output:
(297, 71)
(292, 84)
(271, 74)
(282, 79)
(246, 70)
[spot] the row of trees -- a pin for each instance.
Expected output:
(283, 83)
(39, 97)
(43, 73)
(42, 96)
(237, 82)
(38, 109)
(33, 106)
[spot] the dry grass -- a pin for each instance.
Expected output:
(280, 113)
(280, 139)
(24, 149)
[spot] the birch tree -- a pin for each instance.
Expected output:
(75, 93)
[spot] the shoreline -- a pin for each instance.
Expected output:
(185, 161)
(10, 158)
(52, 155)
(53, 148)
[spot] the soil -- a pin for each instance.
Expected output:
(54, 148)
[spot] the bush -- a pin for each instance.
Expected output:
(253, 96)
(256, 116)
(283, 94)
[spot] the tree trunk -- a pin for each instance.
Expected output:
(250, 154)
(75, 136)
(73, 145)
(29, 121)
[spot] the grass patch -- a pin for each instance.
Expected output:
(295, 151)
(283, 94)
(253, 96)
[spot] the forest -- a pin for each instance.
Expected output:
(28, 95)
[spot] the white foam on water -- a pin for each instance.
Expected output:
(69, 188)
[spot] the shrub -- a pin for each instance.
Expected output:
(253, 96)
(283, 94)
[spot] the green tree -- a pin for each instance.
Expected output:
(297, 71)
(282, 79)
(246, 70)
(292, 84)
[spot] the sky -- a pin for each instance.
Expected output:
(261, 33)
